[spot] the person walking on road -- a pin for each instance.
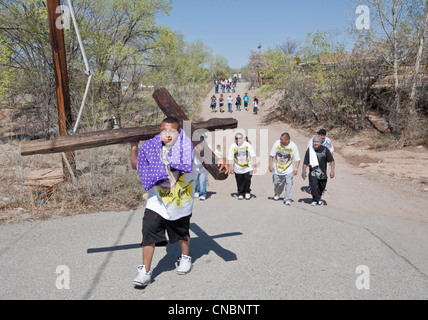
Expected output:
(246, 99)
(316, 158)
(166, 168)
(221, 103)
(216, 85)
(201, 176)
(241, 161)
(229, 103)
(238, 103)
(256, 105)
(284, 161)
(213, 103)
(325, 141)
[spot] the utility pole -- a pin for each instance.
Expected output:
(61, 77)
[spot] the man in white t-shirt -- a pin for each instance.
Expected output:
(166, 168)
(170, 202)
(284, 163)
(241, 161)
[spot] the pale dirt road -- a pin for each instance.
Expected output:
(366, 189)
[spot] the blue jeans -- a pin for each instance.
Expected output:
(201, 184)
(229, 105)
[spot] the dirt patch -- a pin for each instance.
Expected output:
(407, 163)
(30, 190)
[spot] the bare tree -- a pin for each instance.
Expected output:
(255, 64)
(390, 16)
(411, 109)
(289, 47)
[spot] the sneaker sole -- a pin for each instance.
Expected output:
(184, 272)
(139, 284)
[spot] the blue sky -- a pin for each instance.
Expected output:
(232, 28)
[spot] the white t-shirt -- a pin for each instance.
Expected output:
(229, 100)
(284, 157)
(174, 198)
(241, 156)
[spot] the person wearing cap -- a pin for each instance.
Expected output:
(325, 141)
(316, 158)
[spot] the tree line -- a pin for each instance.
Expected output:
(128, 54)
(384, 76)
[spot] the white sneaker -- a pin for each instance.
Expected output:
(247, 196)
(276, 197)
(320, 203)
(143, 278)
(288, 203)
(202, 198)
(240, 197)
(196, 194)
(314, 203)
(184, 264)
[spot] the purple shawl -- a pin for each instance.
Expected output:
(150, 166)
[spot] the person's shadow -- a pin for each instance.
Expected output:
(200, 245)
(236, 194)
(309, 201)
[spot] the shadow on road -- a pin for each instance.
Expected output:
(200, 245)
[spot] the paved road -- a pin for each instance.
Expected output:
(264, 250)
(255, 249)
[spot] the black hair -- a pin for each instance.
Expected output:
(172, 120)
(286, 135)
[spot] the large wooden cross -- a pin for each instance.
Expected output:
(116, 136)
(67, 143)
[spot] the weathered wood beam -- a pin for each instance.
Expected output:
(61, 80)
(171, 109)
(109, 137)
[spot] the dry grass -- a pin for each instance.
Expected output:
(105, 182)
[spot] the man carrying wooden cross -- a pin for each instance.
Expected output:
(165, 165)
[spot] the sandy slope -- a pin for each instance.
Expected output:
(383, 182)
